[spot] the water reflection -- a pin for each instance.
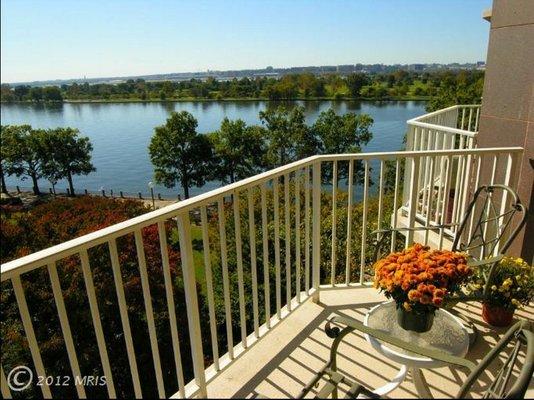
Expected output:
(121, 132)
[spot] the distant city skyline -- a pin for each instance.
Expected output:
(64, 40)
(269, 71)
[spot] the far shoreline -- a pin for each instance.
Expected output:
(228, 99)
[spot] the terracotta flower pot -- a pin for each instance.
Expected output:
(417, 322)
(497, 316)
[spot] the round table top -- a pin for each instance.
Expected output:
(447, 334)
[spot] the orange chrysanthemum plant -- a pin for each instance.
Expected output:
(419, 279)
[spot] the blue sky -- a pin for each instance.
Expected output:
(70, 39)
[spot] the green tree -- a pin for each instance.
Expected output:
(342, 133)
(52, 93)
(67, 154)
(464, 87)
(24, 152)
(4, 155)
(7, 94)
(180, 154)
(240, 150)
(36, 93)
(339, 134)
(355, 82)
(289, 138)
(21, 91)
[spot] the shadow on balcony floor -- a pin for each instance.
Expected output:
(290, 355)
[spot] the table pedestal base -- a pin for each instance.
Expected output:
(420, 384)
(418, 379)
(394, 383)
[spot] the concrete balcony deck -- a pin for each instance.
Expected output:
(288, 356)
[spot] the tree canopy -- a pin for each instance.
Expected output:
(54, 154)
(23, 152)
(239, 150)
(180, 154)
(388, 84)
(289, 137)
(67, 154)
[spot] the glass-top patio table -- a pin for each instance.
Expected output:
(447, 335)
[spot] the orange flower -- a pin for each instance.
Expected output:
(437, 301)
(423, 276)
(414, 295)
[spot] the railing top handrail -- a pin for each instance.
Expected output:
(434, 113)
(442, 128)
(65, 249)
(444, 110)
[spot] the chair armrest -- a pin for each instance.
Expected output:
(381, 335)
(486, 261)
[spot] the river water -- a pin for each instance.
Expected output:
(120, 132)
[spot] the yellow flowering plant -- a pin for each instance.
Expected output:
(512, 284)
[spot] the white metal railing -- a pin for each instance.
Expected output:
(287, 201)
(454, 127)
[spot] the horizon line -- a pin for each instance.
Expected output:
(229, 70)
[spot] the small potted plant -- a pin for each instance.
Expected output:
(418, 279)
(512, 287)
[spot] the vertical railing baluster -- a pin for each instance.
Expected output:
(494, 168)
(65, 329)
(469, 127)
(307, 230)
(149, 312)
(364, 219)
(334, 224)
(191, 301)
(488, 204)
(125, 321)
(475, 186)
(416, 138)
(316, 229)
(430, 198)
(287, 223)
(349, 222)
(395, 204)
(465, 184)
(239, 256)
(97, 323)
(209, 287)
(414, 193)
(297, 233)
(277, 249)
(171, 307)
(504, 199)
(226, 283)
(30, 334)
(380, 200)
(446, 195)
(265, 251)
(458, 185)
(253, 266)
(423, 183)
(6, 394)
(422, 165)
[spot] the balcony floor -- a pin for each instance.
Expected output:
(280, 364)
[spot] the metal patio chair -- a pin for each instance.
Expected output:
(489, 222)
(520, 337)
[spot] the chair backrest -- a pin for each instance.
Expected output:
(492, 221)
(513, 378)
